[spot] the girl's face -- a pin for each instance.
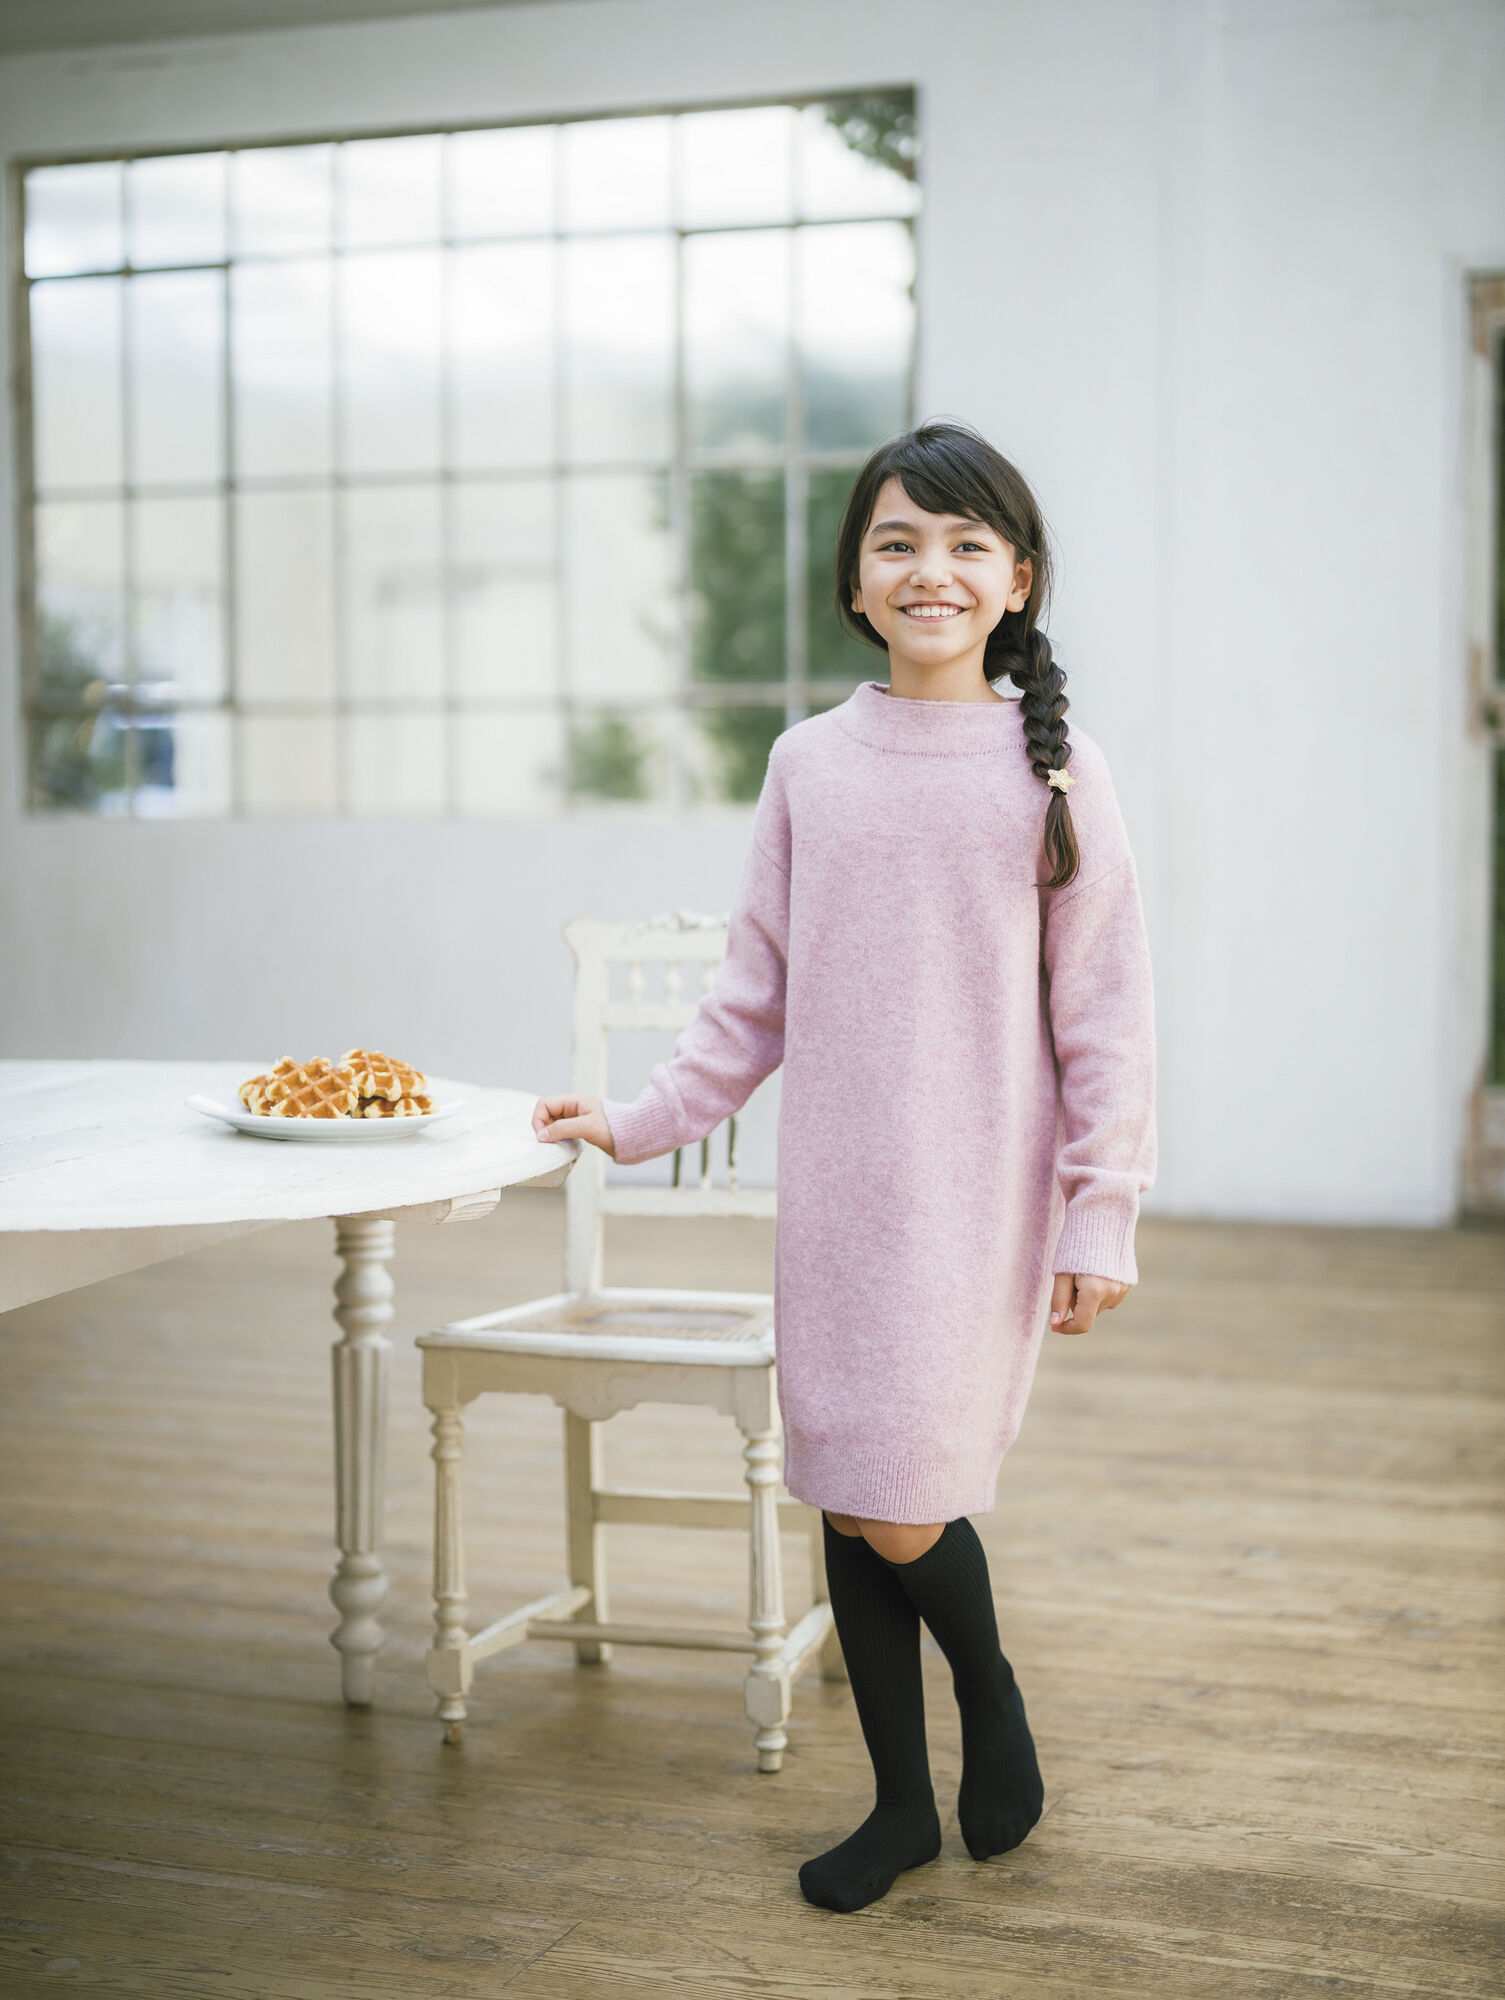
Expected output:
(935, 585)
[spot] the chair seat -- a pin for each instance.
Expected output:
(623, 1324)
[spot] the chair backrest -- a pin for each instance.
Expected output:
(632, 977)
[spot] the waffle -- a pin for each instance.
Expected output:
(394, 1107)
(378, 1075)
(362, 1084)
(254, 1091)
(317, 1089)
(252, 1094)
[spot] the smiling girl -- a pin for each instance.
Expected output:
(946, 952)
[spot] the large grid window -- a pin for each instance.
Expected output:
(475, 472)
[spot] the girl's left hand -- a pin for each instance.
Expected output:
(573, 1118)
(1075, 1302)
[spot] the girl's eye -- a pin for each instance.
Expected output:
(885, 548)
(961, 546)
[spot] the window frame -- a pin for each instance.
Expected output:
(796, 693)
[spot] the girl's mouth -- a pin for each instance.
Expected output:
(931, 613)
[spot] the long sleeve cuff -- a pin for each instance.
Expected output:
(641, 1130)
(1097, 1240)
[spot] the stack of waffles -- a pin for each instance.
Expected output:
(364, 1083)
(386, 1088)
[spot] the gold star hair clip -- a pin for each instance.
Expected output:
(1062, 780)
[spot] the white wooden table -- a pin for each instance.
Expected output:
(104, 1170)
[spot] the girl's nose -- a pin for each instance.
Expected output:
(929, 574)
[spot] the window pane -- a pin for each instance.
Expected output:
(501, 335)
(736, 320)
(737, 575)
(621, 602)
(281, 200)
(618, 347)
(854, 285)
(389, 313)
(110, 753)
(176, 209)
(280, 332)
(394, 622)
(182, 766)
(75, 383)
(394, 765)
(284, 597)
(617, 754)
(502, 183)
(614, 174)
(73, 219)
(178, 609)
(80, 556)
(504, 590)
(736, 166)
(850, 157)
(289, 765)
(734, 745)
(830, 650)
(177, 598)
(389, 191)
(509, 762)
(177, 331)
(78, 762)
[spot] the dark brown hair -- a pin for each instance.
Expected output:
(948, 468)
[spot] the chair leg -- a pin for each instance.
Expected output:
(833, 1666)
(586, 1550)
(768, 1692)
(449, 1664)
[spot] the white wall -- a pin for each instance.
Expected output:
(1200, 268)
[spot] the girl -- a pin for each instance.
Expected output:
(947, 955)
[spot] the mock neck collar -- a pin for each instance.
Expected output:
(928, 728)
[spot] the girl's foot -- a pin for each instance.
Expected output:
(867, 1863)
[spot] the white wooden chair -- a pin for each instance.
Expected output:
(597, 1350)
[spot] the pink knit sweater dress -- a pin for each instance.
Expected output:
(968, 1090)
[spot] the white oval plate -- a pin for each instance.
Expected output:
(340, 1131)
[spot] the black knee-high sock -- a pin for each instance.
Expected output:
(1001, 1793)
(879, 1630)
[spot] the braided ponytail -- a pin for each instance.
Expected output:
(949, 468)
(1042, 708)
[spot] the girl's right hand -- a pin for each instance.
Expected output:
(573, 1118)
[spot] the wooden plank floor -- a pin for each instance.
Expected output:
(1248, 1565)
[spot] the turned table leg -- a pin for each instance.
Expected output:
(363, 1308)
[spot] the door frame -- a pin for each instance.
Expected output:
(1483, 1165)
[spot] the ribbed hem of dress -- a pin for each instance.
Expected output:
(913, 1487)
(1097, 1242)
(640, 1130)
